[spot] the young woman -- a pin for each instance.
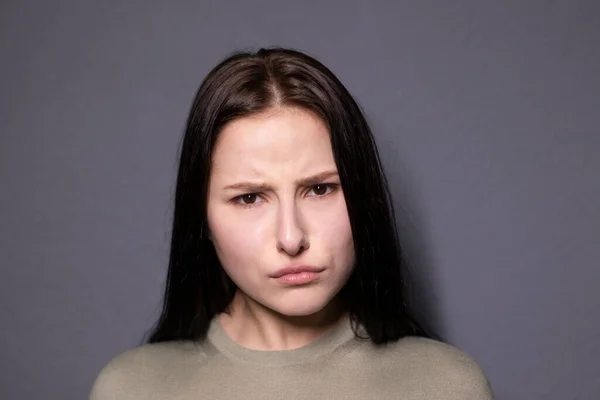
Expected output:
(285, 277)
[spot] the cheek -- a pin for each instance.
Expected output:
(236, 241)
(337, 234)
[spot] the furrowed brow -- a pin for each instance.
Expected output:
(316, 179)
(249, 187)
(259, 187)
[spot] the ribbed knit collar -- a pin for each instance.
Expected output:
(327, 343)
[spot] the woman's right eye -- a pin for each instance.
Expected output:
(248, 199)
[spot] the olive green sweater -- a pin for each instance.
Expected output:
(336, 366)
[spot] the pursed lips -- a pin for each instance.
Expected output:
(296, 269)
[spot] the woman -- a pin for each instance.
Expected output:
(285, 276)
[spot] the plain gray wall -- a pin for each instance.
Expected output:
(487, 114)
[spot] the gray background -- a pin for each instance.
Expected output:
(486, 113)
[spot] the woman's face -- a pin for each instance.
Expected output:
(275, 201)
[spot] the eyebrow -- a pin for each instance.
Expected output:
(262, 187)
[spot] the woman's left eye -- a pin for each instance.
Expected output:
(321, 189)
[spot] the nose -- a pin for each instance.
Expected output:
(291, 235)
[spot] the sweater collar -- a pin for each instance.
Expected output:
(327, 343)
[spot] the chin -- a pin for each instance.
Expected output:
(298, 311)
(299, 307)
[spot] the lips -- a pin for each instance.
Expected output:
(295, 269)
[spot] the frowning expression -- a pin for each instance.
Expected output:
(275, 200)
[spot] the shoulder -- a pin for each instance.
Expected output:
(132, 374)
(435, 368)
(450, 372)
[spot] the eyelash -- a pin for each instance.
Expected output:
(238, 200)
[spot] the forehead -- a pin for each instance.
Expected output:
(284, 138)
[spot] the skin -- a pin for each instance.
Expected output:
(275, 200)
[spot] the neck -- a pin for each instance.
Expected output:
(256, 327)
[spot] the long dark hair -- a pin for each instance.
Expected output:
(197, 287)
